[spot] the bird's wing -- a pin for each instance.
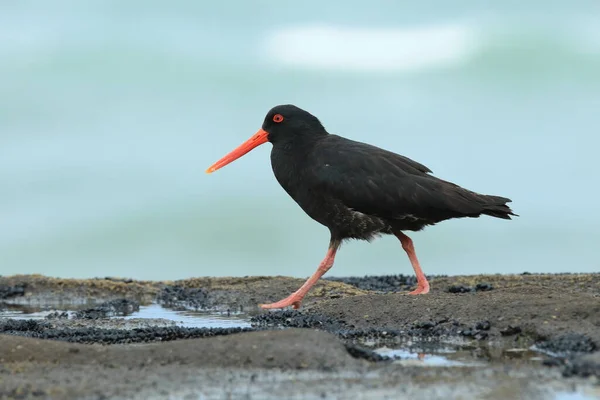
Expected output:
(381, 183)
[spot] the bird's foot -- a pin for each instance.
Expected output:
(422, 288)
(293, 300)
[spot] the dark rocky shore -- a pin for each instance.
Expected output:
(531, 335)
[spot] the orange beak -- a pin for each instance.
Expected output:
(256, 140)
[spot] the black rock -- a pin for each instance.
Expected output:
(459, 289)
(568, 344)
(6, 292)
(365, 354)
(113, 308)
(483, 325)
(180, 297)
(510, 330)
(483, 287)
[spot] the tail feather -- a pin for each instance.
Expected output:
(496, 206)
(472, 204)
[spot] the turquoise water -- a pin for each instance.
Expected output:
(110, 112)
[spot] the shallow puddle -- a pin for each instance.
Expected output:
(443, 357)
(451, 353)
(575, 396)
(183, 318)
(193, 319)
(21, 312)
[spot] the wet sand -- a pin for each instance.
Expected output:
(317, 352)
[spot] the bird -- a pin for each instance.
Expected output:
(357, 190)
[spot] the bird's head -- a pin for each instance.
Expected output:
(284, 123)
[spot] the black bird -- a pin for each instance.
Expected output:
(356, 190)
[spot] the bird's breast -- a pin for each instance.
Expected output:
(294, 175)
(298, 181)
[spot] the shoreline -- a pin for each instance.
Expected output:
(501, 319)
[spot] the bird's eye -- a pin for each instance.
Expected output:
(277, 118)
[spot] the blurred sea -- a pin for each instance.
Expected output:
(110, 112)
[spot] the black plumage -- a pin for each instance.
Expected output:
(357, 190)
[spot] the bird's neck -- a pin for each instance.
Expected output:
(290, 155)
(288, 160)
(298, 144)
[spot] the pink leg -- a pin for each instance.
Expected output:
(407, 245)
(295, 299)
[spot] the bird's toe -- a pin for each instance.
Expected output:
(420, 290)
(292, 301)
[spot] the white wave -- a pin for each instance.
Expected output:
(398, 49)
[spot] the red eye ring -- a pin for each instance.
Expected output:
(278, 118)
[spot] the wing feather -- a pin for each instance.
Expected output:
(378, 182)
